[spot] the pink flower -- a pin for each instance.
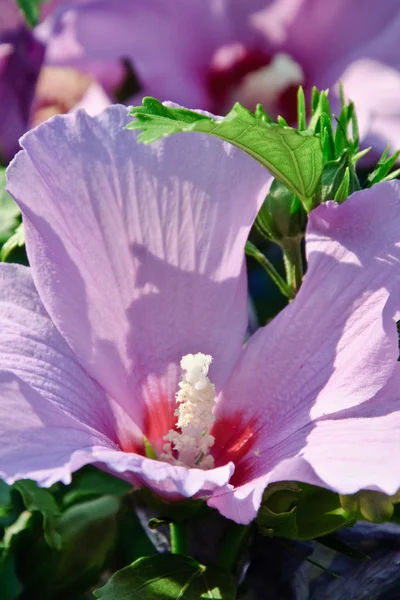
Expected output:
(137, 260)
(208, 53)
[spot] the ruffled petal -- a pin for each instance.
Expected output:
(38, 440)
(359, 448)
(334, 347)
(137, 251)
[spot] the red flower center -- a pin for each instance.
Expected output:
(252, 77)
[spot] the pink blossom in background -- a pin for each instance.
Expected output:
(137, 259)
(31, 90)
(21, 58)
(208, 53)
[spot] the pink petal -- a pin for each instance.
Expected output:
(169, 44)
(359, 448)
(334, 347)
(38, 440)
(337, 33)
(32, 349)
(137, 252)
(374, 88)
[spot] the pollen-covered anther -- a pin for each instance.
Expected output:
(190, 446)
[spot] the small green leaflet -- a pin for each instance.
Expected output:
(170, 577)
(36, 498)
(293, 157)
(9, 211)
(17, 240)
(31, 10)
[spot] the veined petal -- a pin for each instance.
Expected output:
(37, 439)
(33, 349)
(137, 251)
(359, 448)
(334, 347)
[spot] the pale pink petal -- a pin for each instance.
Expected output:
(375, 89)
(170, 482)
(38, 440)
(32, 349)
(169, 44)
(359, 448)
(334, 347)
(137, 251)
(326, 37)
(95, 100)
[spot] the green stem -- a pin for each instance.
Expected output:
(177, 533)
(231, 545)
(262, 260)
(293, 262)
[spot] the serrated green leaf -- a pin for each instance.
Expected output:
(31, 10)
(170, 577)
(17, 240)
(9, 211)
(293, 157)
(36, 498)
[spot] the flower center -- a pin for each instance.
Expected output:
(190, 446)
(254, 77)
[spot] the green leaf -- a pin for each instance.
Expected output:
(16, 528)
(17, 240)
(334, 543)
(170, 577)
(343, 190)
(9, 211)
(88, 533)
(31, 10)
(301, 110)
(277, 514)
(39, 499)
(89, 482)
(277, 524)
(383, 168)
(10, 585)
(320, 106)
(293, 157)
(319, 513)
(5, 493)
(339, 179)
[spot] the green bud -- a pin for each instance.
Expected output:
(282, 215)
(376, 507)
